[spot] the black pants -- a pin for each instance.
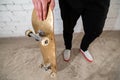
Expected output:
(93, 15)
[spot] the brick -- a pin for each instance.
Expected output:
(22, 1)
(113, 2)
(15, 1)
(21, 16)
(4, 16)
(113, 11)
(110, 22)
(14, 7)
(3, 8)
(2, 24)
(6, 2)
(27, 7)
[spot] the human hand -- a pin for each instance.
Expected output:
(41, 7)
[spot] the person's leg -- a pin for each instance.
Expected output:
(69, 17)
(93, 21)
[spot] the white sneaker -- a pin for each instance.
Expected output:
(66, 55)
(87, 55)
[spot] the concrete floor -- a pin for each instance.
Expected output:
(20, 59)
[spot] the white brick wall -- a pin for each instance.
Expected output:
(15, 17)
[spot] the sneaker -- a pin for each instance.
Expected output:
(87, 55)
(66, 55)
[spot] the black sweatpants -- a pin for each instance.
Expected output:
(93, 13)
